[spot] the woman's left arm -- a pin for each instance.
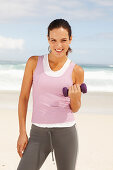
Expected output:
(74, 91)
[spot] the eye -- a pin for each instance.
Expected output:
(64, 40)
(52, 40)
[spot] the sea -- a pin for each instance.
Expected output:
(98, 78)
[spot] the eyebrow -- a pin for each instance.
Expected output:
(61, 39)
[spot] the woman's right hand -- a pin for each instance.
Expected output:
(22, 143)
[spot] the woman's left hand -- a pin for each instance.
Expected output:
(74, 91)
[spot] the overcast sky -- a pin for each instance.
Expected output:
(23, 28)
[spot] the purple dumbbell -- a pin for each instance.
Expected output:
(83, 88)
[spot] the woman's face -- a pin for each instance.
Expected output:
(59, 41)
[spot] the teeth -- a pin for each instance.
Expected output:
(58, 50)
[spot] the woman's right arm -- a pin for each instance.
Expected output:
(23, 103)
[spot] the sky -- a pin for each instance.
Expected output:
(24, 23)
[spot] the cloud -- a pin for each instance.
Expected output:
(107, 3)
(107, 35)
(32, 10)
(81, 51)
(86, 14)
(12, 9)
(11, 43)
(96, 37)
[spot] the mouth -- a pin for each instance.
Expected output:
(59, 50)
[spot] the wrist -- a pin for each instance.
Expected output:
(22, 132)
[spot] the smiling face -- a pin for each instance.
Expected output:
(59, 41)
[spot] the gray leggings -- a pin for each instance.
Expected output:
(62, 140)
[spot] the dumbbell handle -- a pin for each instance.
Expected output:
(83, 88)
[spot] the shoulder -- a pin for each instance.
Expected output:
(32, 62)
(79, 74)
(32, 59)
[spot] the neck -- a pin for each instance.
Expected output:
(56, 60)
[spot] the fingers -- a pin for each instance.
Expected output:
(20, 150)
(76, 87)
(21, 144)
(24, 146)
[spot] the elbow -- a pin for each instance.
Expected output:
(75, 110)
(23, 97)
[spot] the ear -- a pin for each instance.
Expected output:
(70, 39)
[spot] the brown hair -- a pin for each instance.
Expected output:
(58, 23)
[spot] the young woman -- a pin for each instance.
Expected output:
(53, 124)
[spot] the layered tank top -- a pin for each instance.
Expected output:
(50, 107)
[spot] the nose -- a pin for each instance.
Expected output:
(59, 46)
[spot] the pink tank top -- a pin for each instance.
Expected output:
(50, 107)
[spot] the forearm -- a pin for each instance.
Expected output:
(22, 112)
(75, 104)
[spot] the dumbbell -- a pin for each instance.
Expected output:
(83, 88)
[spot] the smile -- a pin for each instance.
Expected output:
(58, 50)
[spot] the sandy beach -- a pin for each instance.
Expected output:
(94, 123)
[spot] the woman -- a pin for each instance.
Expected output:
(53, 125)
